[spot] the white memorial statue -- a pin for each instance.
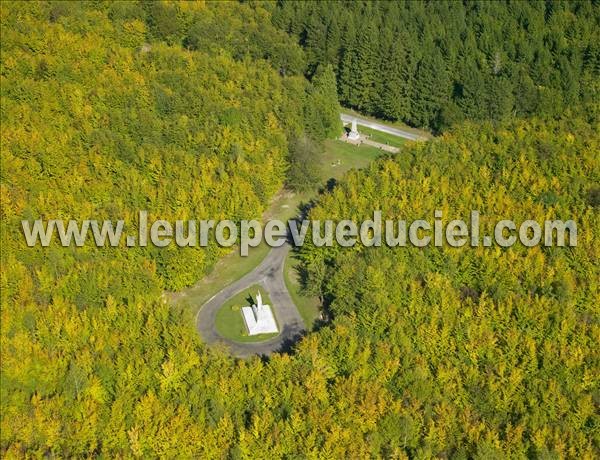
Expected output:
(259, 318)
(353, 134)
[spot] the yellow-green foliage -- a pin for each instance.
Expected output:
(97, 124)
(494, 350)
(439, 352)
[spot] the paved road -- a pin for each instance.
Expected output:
(269, 274)
(383, 128)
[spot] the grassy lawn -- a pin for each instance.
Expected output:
(383, 138)
(308, 306)
(339, 157)
(285, 205)
(233, 266)
(227, 270)
(229, 321)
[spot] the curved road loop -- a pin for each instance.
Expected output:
(269, 274)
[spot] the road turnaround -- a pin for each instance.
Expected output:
(269, 274)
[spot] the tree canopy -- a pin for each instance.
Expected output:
(173, 107)
(433, 64)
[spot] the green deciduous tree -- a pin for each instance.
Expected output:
(303, 157)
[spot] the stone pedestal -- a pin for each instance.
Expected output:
(353, 135)
(259, 318)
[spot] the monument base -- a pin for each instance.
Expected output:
(265, 325)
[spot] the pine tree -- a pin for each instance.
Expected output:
(365, 68)
(394, 102)
(322, 111)
(346, 68)
(314, 43)
(333, 43)
(431, 89)
(500, 101)
(524, 93)
(471, 95)
(303, 173)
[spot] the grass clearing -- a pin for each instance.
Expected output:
(339, 157)
(228, 269)
(308, 306)
(229, 321)
(233, 266)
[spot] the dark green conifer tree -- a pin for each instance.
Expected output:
(322, 111)
(431, 88)
(394, 99)
(365, 67)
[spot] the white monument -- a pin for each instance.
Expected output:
(353, 134)
(259, 318)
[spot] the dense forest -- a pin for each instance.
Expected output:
(202, 110)
(493, 350)
(434, 64)
(144, 125)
